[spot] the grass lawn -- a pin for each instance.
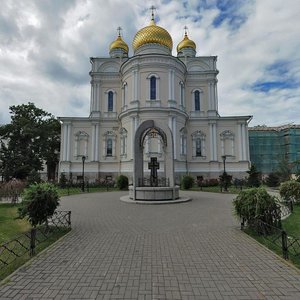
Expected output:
(10, 227)
(216, 189)
(292, 227)
(292, 223)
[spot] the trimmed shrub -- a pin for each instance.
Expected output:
(122, 182)
(257, 204)
(290, 190)
(187, 182)
(39, 202)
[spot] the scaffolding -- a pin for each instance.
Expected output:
(271, 145)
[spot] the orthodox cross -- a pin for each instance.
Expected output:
(185, 30)
(119, 30)
(153, 166)
(153, 8)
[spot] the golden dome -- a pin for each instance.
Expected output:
(152, 34)
(186, 43)
(119, 43)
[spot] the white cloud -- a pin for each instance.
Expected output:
(45, 49)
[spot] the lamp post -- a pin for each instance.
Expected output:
(83, 160)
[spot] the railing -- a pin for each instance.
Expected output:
(27, 243)
(273, 235)
(160, 182)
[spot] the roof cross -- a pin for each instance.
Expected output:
(119, 30)
(153, 8)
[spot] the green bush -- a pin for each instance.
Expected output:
(187, 182)
(290, 190)
(122, 182)
(39, 202)
(257, 204)
(272, 180)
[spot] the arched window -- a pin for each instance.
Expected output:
(197, 100)
(153, 88)
(198, 142)
(109, 147)
(110, 103)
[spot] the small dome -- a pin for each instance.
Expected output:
(119, 44)
(186, 43)
(152, 34)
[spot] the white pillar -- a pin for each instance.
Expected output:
(65, 139)
(174, 136)
(68, 142)
(170, 85)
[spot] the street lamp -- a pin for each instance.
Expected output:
(225, 176)
(83, 160)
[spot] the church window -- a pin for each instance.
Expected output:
(110, 104)
(197, 100)
(153, 88)
(183, 141)
(198, 142)
(198, 147)
(109, 147)
(227, 143)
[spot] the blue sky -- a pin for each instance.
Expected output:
(45, 48)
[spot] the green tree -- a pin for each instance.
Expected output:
(254, 178)
(39, 202)
(32, 137)
(284, 170)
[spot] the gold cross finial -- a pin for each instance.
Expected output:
(153, 8)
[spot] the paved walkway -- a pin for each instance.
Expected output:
(117, 250)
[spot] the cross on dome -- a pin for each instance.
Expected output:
(153, 8)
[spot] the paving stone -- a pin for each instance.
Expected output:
(191, 250)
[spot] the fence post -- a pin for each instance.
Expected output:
(285, 252)
(32, 241)
(69, 218)
(243, 224)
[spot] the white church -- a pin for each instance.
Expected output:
(179, 92)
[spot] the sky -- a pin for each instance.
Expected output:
(45, 47)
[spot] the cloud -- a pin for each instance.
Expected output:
(45, 48)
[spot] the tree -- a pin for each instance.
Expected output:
(290, 190)
(39, 202)
(32, 138)
(284, 170)
(254, 178)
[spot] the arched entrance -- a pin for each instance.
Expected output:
(138, 191)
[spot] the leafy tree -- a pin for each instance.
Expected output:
(284, 170)
(39, 202)
(290, 190)
(272, 180)
(187, 182)
(122, 182)
(225, 180)
(254, 178)
(32, 137)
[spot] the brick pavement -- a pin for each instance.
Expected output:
(117, 250)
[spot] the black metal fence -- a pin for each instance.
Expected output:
(274, 236)
(27, 242)
(161, 182)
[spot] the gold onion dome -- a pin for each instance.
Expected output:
(186, 43)
(119, 44)
(152, 34)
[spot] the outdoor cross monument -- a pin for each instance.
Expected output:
(153, 166)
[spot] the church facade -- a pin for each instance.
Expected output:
(178, 91)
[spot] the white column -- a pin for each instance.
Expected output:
(174, 136)
(65, 139)
(68, 142)
(170, 85)
(209, 96)
(132, 135)
(97, 101)
(173, 85)
(216, 97)
(244, 141)
(240, 142)
(96, 154)
(213, 141)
